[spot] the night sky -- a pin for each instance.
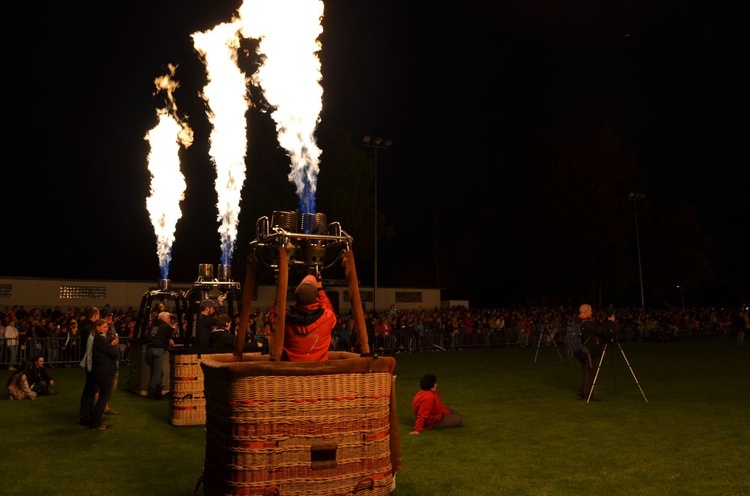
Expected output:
(464, 91)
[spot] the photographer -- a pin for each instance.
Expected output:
(593, 337)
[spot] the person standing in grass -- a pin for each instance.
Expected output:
(11, 342)
(87, 330)
(104, 356)
(159, 341)
(111, 335)
(593, 336)
(429, 410)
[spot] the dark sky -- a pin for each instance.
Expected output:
(464, 91)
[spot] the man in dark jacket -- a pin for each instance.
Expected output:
(594, 337)
(159, 341)
(207, 321)
(88, 395)
(104, 356)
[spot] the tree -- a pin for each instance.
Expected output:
(577, 225)
(677, 255)
(345, 186)
(733, 245)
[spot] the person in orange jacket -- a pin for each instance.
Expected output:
(429, 409)
(308, 323)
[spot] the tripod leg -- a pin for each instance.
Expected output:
(538, 343)
(558, 350)
(631, 371)
(614, 376)
(598, 368)
(568, 350)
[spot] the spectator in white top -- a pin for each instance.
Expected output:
(11, 342)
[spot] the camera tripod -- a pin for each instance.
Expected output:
(599, 367)
(546, 332)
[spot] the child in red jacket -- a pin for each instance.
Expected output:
(429, 410)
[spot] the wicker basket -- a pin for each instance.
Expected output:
(312, 428)
(187, 402)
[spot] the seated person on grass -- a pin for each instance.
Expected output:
(429, 410)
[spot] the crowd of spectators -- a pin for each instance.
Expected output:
(461, 327)
(53, 332)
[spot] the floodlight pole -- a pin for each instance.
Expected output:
(635, 197)
(382, 144)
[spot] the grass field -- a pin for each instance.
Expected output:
(524, 432)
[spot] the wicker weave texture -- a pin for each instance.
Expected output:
(321, 435)
(353, 484)
(187, 403)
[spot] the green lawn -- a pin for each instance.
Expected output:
(524, 432)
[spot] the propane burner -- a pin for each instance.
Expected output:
(224, 280)
(225, 272)
(308, 241)
(314, 223)
(206, 271)
(284, 220)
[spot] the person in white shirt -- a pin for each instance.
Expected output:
(11, 342)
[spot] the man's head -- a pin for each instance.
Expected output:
(585, 310)
(427, 382)
(208, 306)
(92, 313)
(307, 291)
(223, 321)
(106, 314)
(165, 317)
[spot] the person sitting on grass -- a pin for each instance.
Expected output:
(429, 410)
(39, 379)
(18, 383)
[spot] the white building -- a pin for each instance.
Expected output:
(71, 293)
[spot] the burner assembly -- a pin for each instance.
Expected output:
(208, 287)
(310, 241)
(306, 241)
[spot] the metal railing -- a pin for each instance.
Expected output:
(57, 352)
(62, 353)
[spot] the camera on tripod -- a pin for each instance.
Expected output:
(610, 313)
(613, 339)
